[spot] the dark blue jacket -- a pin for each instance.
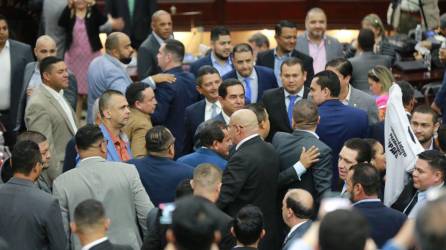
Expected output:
(384, 222)
(172, 102)
(265, 79)
(160, 177)
(203, 155)
(338, 123)
(193, 117)
(195, 66)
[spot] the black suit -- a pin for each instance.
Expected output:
(107, 245)
(138, 26)
(147, 61)
(274, 102)
(405, 197)
(266, 59)
(251, 178)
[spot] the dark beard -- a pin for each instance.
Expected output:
(125, 60)
(220, 57)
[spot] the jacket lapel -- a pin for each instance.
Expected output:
(279, 101)
(59, 109)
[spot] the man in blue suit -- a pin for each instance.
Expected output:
(338, 122)
(174, 98)
(364, 184)
(215, 142)
(218, 57)
(255, 79)
(159, 173)
(208, 81)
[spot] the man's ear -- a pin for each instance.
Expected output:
(73, 227)
(107, 224)
(217, 236)
(170, 237)
(232, 231)
(262, 234)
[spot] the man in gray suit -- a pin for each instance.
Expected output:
(315, 43)
(45, 46)
(14, 56)
(305, 161)
(30, 218)
(365, 60)
(49, 113)
(117, 185)
(349, 95)
(161, 31)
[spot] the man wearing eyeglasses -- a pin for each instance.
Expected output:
(286, 33)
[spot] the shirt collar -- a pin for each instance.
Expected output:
(52, 91)
(214, 60)
(280, 57)
(159, 39)
(296, 227)
(252, 76)
(300, 93)
(6, 45)
(324, 37)
(367, 200)
(116, 138)
(94, 243)
(246, 139)
(347, 98)
(225, 116)
(123, 66)
(209, 104)
(90, 158)
(308, 131)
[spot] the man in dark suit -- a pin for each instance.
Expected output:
(349, 95)
(364, 184)
(285, 35)
(255, 79)
(425, 123)
(251, 174)
(159, 173)
(174, 98)
(297, 170)
(90, 224)
(338, 122)
(280, 102)
(366, 60)
(161, 31)
(136, 15)
(231, 95)
(31, 218)
(208, 81)
(218, 57)
(206, 184)
(297, 208)
(248, 228)
(14, 56)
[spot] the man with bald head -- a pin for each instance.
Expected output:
(161, 31)
(297, 208)
(251, 175)
(45, 47)
(315, 43)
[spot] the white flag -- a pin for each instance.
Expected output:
(402, 147)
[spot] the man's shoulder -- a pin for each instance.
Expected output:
(19, 45)
(361, 95)
(264, 70)
(194, 106)
(202, 61)
(302, 56)
(29, 194)
(265, 54)
(272, 92)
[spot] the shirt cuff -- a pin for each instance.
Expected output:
(300, 169)
(149, 80)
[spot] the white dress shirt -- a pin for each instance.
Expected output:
(36, 79)
(287, 99)
(64, 104)
(208, 109)
(5, 77)
(94, 243)
(226, 117)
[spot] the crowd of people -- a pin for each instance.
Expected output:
(248, 147)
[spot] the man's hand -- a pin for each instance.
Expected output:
(436, 108)
(116, 23)
(308, 157)
(159, 78)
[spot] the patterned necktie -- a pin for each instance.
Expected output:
(248, 89)
(131, 4)
(213, 110)
(290, 108)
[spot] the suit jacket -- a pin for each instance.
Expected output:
(317, 179)
(70, 93)
(203, 155)
(384, 222)
(172, 102)
(112, 154)
(251, 178)
(440, 98)
(195, 66)
(31, 218)
(107, 245)
(117, 186)
(361, 66)
(193, 116)
(333, 48)
(296, 234)
(161, 176)
(137, 25)
(243, 248)
(21, 55)
(104, 73)
(361, 100)
(405, 197)
(265, 80)
(136, 129)
(147, 62)
(337, 124)
(274, 102)
(266, 59)
(45, 115)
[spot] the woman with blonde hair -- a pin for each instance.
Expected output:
(380, 80)
(382, 46)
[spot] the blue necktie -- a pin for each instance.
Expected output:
(213, 110)
(290, 108)
(247, 90)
